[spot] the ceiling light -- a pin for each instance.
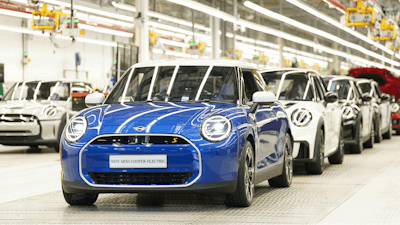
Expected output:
(105, 30)
(316, 31)
(15, 13)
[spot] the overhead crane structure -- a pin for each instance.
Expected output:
(203, 32)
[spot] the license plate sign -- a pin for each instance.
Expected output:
(137, 161)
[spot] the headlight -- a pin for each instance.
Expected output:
(394, 107)
(301, 117)
(216, 128)
(76, 128)
(348, 112)
(50, 111)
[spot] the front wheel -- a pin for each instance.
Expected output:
(317, 167)
(357, 149)
(337, 158)
(388, 134)
(80, 198)
(370, 142)
(243, 196)
(378, 133)
(285, 179)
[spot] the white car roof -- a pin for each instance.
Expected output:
(196, 62)
(65, 80)
(288, 69)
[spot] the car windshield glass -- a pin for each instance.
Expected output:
(177, 84)
(341, 87)
(294, 86)
(54, 91)
(22, 91)
(365, 87)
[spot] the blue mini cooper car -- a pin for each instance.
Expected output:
(179, 126)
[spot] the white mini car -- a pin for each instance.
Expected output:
(315, 116)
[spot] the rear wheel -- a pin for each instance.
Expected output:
(388, 134)
(378, 132)
(370, 142)
(359, 146)
(80, 198)
(337, 158)
(317, 167)
(398, 131)
(243, 196)
(34, 146)
(285, 179)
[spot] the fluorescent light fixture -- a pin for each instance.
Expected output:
(174, 43)
(178, 54)
(337, 24)
(161, 16)
(316, 31)
(169, 33)
(15, 13)
(178, 30)
(20, 1)
(111, 21)
(205, 9)
(91, 10)
(105, 30)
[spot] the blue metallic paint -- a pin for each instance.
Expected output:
(220, 161)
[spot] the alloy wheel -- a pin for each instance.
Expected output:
(288, 163)
(249, 174)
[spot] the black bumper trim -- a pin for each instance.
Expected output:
(224, 187)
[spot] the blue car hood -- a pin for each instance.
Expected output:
(131, 115)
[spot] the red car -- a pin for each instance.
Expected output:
(387, 84)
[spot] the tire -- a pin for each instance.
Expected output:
(388, 134)
(80, 198)
(285, 179)
(317, 167)
(34, 146)
(397, 131)
(338, 157)
(244, 194)
(61, 129)
(378, 133)
(357, 149)
(370, 142)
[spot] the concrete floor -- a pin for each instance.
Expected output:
(364, 190)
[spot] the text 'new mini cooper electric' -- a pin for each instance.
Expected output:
(179, 126)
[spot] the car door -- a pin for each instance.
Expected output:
(267, 124)
(384, 107)
(365, 108)
(330, 117)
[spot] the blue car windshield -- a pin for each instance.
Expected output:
(176, 84)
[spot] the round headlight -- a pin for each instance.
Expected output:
(347, 112)
(50, 111)
(216, 128)
(301, 117)
(76, 128)
(394, 107)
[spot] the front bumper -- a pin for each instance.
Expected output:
(30, 133)
(209, 163)
(224, 187)
(303, 147)
(396, 121)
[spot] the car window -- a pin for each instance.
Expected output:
(250, 84)
(378, 93)
(221, 85)
(357, 92)
(117, 92)
(162, 82)
(365, 87)
(341, 87)
(22, 91)
(318, 89)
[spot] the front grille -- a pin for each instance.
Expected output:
(127, 140)
(395, 121)
(17, 118)
(140, 178)
(4, 139)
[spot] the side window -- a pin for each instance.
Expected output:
(378, 93)
(318, 89)
(356, 90)
(250, 85)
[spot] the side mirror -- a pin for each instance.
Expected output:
(262, 98)
(385, 97)
(366, 97)
(94, 99)
(331, 97)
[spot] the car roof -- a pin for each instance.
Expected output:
(343, 78)
(196, 62)
(288, 69)
(364, 80)
(56, 80)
